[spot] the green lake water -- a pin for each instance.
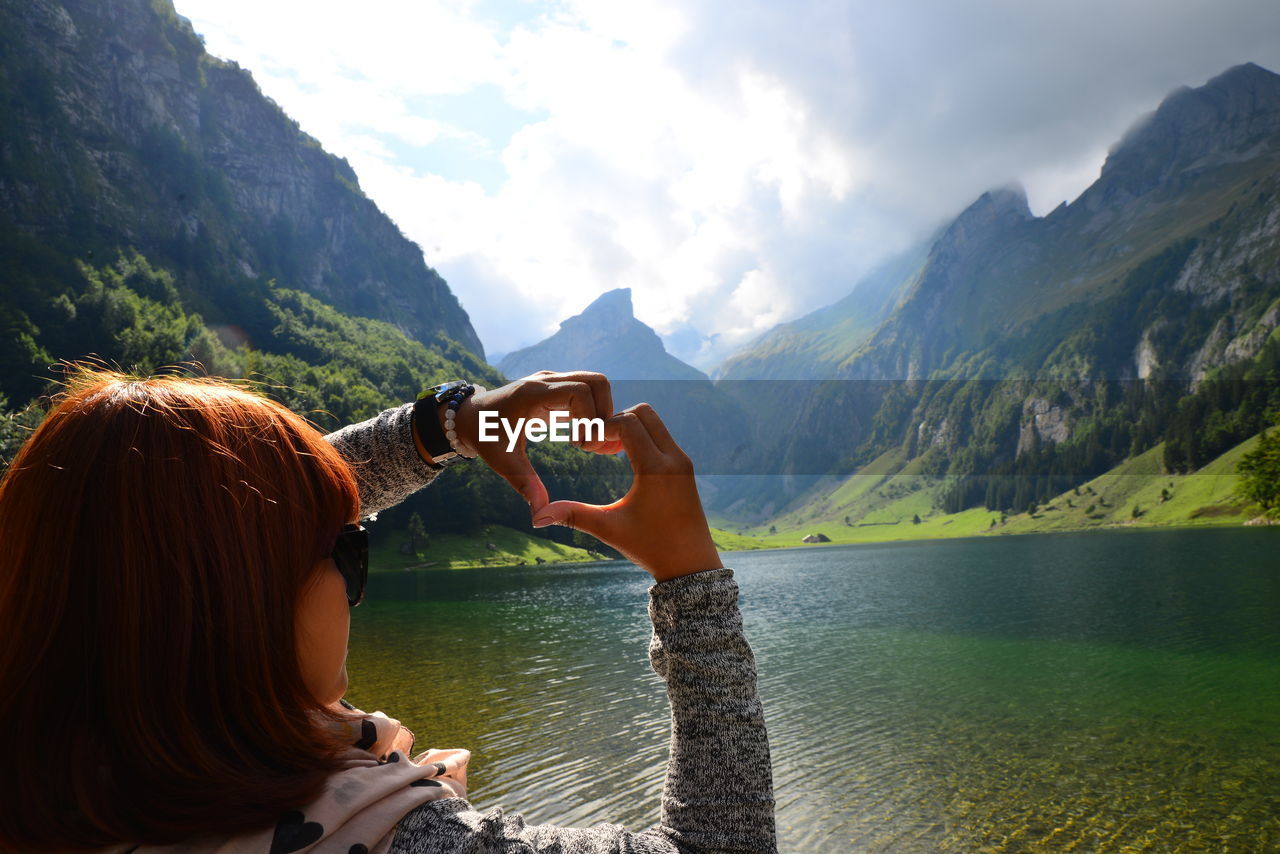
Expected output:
(1098, 692)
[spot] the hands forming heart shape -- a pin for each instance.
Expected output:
(659, 524)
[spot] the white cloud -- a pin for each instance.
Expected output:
(734, 165)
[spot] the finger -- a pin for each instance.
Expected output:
(636, 441)
(516, 470)
(658, 430)
(575, 397)
(611, 442)
(593, 519)
(601, 391)
(571, 396)
(602, 396)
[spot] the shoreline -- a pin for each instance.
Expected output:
(1217, 524)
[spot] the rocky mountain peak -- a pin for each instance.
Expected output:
(992, 215)
(1008, 202)
(605, 337)
(1234, 116)
(610, 311)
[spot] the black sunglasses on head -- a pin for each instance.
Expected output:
(351, 554)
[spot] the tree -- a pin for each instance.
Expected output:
(586, 542)
(1259, 472)
(773, 529)
(915, 520)
(418, 537)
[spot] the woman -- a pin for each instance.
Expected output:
(179, 555)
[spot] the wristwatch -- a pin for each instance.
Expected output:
(426, 420)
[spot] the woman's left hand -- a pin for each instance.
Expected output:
(582, 394)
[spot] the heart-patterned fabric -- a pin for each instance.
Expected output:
(376, 785)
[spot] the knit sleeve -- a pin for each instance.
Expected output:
(718, 795)
(385, 458)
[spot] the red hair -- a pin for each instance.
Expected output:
(157, 534)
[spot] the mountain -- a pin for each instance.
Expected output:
(604, 337)
(120, 131)
(811, 346)
(607, 337)
(1025, 353)
(156, 210)
(1205, 156)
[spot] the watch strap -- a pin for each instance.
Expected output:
(436, 438)
(427, 423)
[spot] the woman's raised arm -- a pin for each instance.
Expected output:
(718, 795)
(389, 468)
(385, 458)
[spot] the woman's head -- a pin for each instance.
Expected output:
(156, 676)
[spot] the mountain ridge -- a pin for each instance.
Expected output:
(1034, 351)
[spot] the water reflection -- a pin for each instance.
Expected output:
(1028, 693)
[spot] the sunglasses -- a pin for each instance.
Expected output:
(351, 554)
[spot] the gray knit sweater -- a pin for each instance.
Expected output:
(718, 794)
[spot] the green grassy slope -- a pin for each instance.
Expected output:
(511, 548)
(881, 506)
(1204, 497)
(456, 551)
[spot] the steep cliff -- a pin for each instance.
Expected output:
(117, 130)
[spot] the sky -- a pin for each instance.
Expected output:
(736, 164)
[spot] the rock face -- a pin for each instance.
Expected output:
(119, 130)
(1227, 120)
(1043, 423)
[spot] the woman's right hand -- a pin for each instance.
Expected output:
(659, 524)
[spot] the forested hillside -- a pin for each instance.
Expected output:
(118, 131)
(157, 210)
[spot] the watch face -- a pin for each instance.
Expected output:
(449, 386)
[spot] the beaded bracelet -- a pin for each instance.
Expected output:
(452, 400)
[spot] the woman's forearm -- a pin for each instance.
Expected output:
(384, 454)
(719, 792)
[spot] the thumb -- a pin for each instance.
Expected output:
(516, 470)
(588, 518)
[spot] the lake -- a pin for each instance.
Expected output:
(1102, 691)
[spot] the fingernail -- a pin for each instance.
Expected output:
(543, 520)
